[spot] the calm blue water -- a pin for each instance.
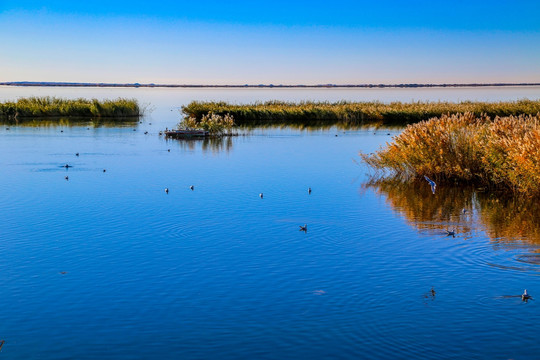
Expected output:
(107, 265)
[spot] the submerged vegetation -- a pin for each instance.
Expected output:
(52, 107)
(215, 124)
(499, 153)
(353, 113)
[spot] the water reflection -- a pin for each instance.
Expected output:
(507, 220)
(321, 126)
(71, 122)
(215, 144)
(450, 208)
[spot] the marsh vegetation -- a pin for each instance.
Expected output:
(53, 107)
(501, 153)
(216, 125)
(348, 114)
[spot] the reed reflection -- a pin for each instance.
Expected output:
(71, 122)
(215, 144)
(508, 220)
(320, 126)
(449, 208)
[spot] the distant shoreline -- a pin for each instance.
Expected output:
(137, 85)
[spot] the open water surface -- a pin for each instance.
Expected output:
(107, 265)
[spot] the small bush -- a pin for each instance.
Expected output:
(214, 124)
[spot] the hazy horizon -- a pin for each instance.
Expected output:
(281, 43)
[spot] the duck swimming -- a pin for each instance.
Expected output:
(303, 228)
(525, 296)
(192, 187)
(261, 195)
(451, 233)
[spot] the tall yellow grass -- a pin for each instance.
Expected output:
(503, 152)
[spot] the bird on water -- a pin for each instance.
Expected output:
(303, 228)
(525, 296)
(192, 187)
(261, 195)
(309, 190)
(167, 190)
(431, 183)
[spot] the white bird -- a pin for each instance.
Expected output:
(432, 183)
(525, 296)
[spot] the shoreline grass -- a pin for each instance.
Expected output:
(52, 107)
(350, 114)
(501, 153)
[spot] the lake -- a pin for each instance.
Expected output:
(108, 265)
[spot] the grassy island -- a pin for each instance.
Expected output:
(352, 113)
(502, 153)
(52, 107)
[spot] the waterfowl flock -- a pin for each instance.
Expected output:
(303, 228)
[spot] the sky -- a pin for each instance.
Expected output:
(274, 42)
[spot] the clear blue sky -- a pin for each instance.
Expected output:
(279, 42)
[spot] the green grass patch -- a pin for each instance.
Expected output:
(351, 114)
(52, 107)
